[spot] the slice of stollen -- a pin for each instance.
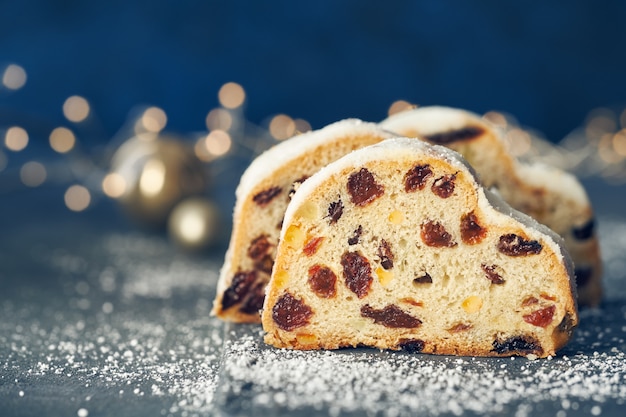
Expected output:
(261, 199)
(397, 246)
(550, 195)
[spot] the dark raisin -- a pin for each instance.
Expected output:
(363, 187)
(238, 289)
(567, 324)
(322, 281)
(357, 273)
(385, 254)
(335, 210)
(391, 316)
(585, 231)
(411, 345)
(259, 247)
(444, 186)
(265, 264)
(542, 317)
(265, 196)
(354, 239)
(415, 178)
(295, 185)
(471, 231)
(466, 133)
(583, 275)
(434, 234)
(459, 327)
(423, 279)
(254, 303)
(312, 245)
(491, 274)
(290, 313)
(515, 245)
(520, 345)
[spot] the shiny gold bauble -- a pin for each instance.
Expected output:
(194, 224)
(158, 172)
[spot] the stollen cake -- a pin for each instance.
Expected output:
(261, 199)
(550, 195)
(397, 246)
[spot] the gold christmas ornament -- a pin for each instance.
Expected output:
(194, 224)
(152, 174)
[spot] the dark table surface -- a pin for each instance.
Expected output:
(102, 319)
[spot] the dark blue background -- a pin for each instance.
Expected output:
(548, 63)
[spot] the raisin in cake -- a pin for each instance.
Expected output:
(397, 246)
(551, 196)
(262, 197)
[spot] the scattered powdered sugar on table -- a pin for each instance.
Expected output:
(267, 381)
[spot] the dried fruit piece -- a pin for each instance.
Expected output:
(254, 302)
(264, 197)
(295, 185)
(259, 247)
(322, 281)
(423, 279)
(384, 277)
(585, 231)
(357, 273)
(385, 254)
(459, 327)
(515, 245)
(411, 345)
(306, 339)
(335, 210)
(567, 324)
(363, 187)
(491, 274)
(294, 236)
(238, 289)
(265, 264)
(290, 313)
(312, 245)
(412, 302)
(354, 239)
(542, 317)
(521, 345)
(415, 178)
(529, 301)
(471, 231)
(396, 217)
(444, 186)
(390, 316)
(472, 304)
(434, 234)
(547, 296)
(466, 133)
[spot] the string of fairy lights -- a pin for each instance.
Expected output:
(147, 169)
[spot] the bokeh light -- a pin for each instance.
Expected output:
(62, 140)
(282, 127)
(231, 95)
(14, 77)
(496, 118)
(114, 185)
(33, 174)
(302, 125)
(76, 109)
(399, 106)
(154, 119)
(599, 122)
(519, 141)
(152, 177)
(16, 138)
(219, 119)
(77, 198)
